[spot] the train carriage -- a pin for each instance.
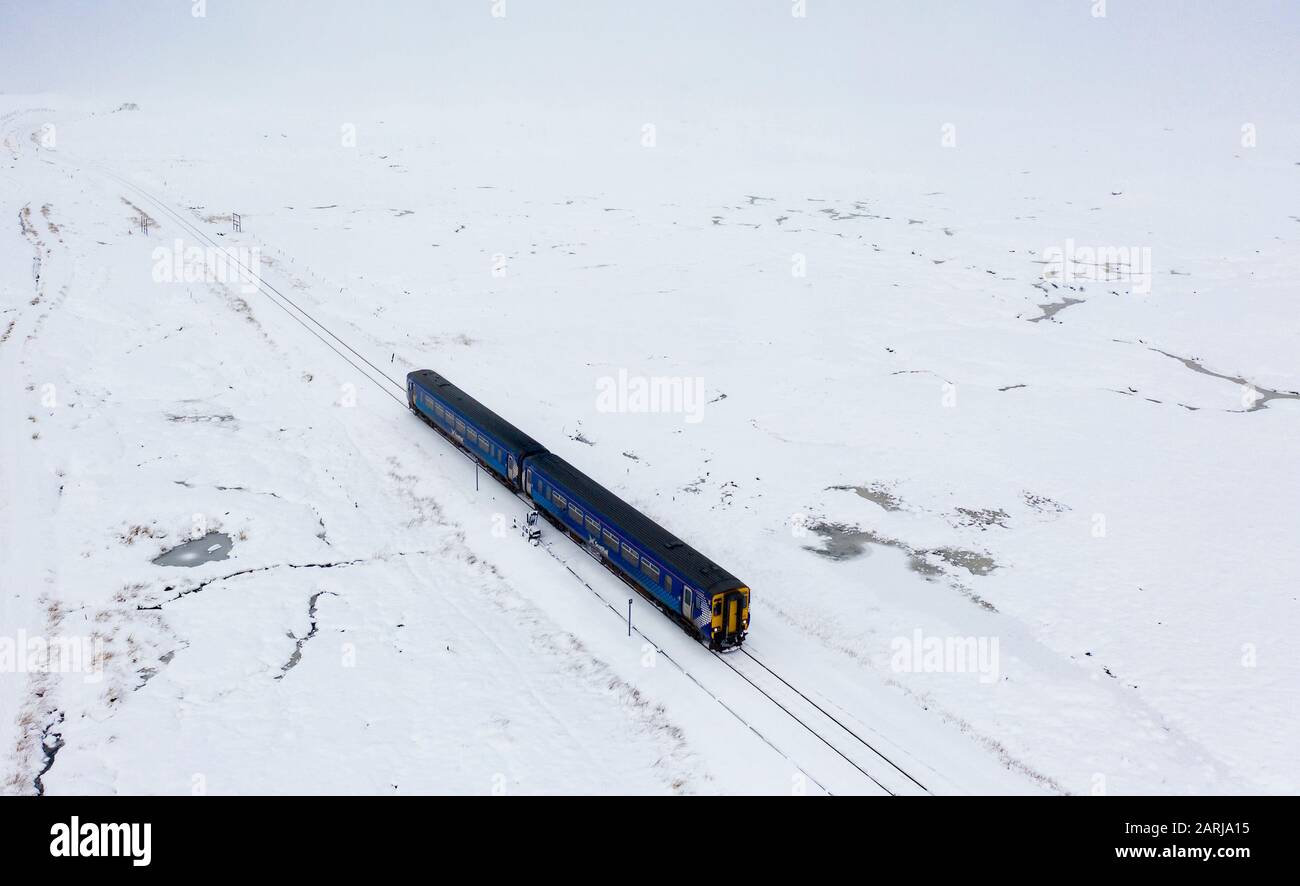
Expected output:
(711, 602)
(708, 601)
(490, 439)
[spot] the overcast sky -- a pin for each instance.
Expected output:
(1038, 56)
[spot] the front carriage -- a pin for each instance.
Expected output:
(706, 599)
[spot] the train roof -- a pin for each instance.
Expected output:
(496, 426)
(699, 571)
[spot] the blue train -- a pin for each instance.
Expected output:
(711, 603)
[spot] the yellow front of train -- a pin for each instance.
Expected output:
(730, 617)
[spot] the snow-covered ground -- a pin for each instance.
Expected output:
(916, 413)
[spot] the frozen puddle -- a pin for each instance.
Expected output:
(213, 546)
(841, 542)
(877, 494)
(1051, 309)
(1254, 398)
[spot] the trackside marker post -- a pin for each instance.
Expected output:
(629, 616)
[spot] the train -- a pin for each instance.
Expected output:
(709, 602)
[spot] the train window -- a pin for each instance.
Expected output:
(576, 513)
(437, 410)
(484, 445)
(630, 554)
(460, 427)
(471, 435)
(593, 526)
(668, 581)
(650, 569)
(611, 539)
(558, 499)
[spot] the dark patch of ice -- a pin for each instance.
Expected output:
(1052, 309)
(213, 546)
(876, 493)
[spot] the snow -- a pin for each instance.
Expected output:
(889, 452)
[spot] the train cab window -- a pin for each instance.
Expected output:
(630, 554)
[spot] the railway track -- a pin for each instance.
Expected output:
(820, 746)
(846, 762)
(859, 752)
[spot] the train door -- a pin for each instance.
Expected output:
(512, 469)
(686, 601)
(728, 619)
